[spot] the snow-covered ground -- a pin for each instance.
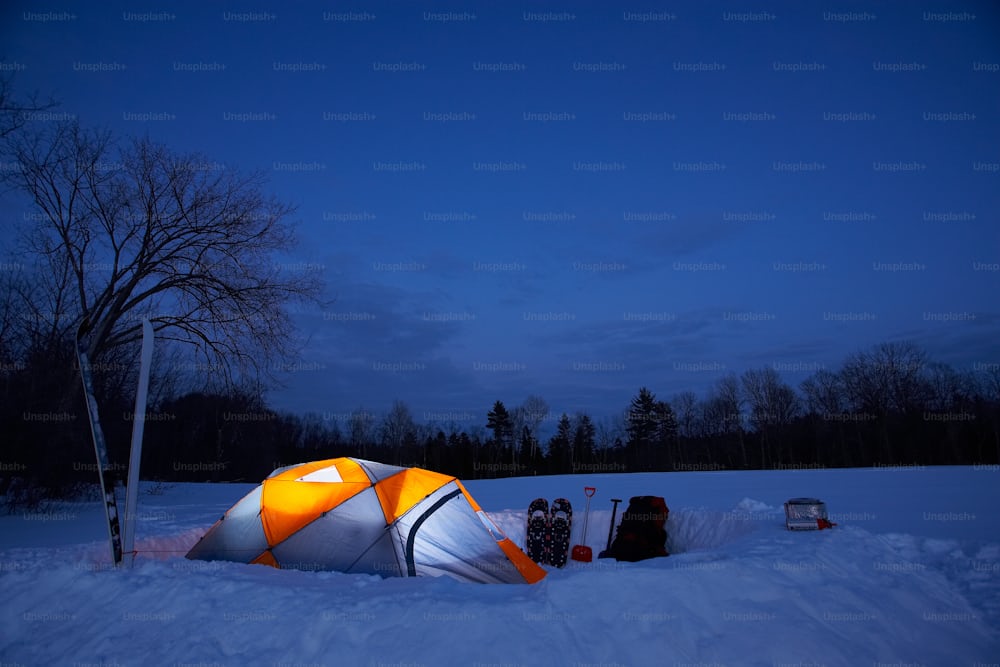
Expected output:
(910, 576)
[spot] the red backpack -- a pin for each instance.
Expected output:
(641, 534)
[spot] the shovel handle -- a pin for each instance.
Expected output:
(611, 528)
(590, 491)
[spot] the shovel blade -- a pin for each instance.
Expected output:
(582, 553)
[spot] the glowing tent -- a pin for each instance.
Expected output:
(359, 516)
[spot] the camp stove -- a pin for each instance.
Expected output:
(806, 514)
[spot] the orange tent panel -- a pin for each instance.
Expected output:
(266, 558)
(528, 568)
(287, 506)
(405, 489)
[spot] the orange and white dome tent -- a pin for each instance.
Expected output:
(359, 516)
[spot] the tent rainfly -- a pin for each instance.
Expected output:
(358, 516)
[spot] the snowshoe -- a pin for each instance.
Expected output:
(560, 526)
(537, 539)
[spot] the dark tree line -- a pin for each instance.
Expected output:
(887, 406)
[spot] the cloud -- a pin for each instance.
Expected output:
(691, 235)
(375, 343)
(964, 339)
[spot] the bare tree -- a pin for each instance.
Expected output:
(773, 406)
(825, 399)
(529, 415)
(948, 389)
(361, 430)
(888, 379)
(686, 406)
(40, 309)
(11, 316)
(718, 419)
(987, 380)
(138, 230)
(15, 112)
(729, 403)
(398, 428)
(824, 394)
(610, 431)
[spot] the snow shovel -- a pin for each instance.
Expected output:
(582, 552)
(611, 529)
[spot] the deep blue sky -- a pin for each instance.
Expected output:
(809, 180)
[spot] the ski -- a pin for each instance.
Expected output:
(560, 527)
(101, 450)
(135, 455)
(536, 540)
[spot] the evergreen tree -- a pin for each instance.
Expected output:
(584, 443)
(499, 421)
(560, 447)
(641, 427)
(665, 438)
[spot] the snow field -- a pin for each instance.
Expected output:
(907, 577)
